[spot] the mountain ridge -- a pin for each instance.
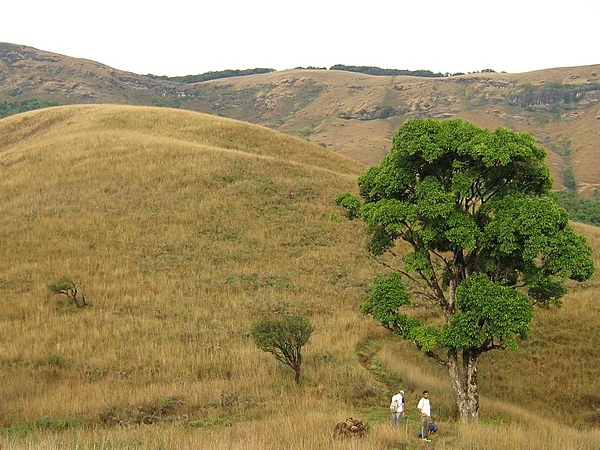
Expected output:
(349, 113)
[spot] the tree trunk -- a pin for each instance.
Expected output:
(463, 378)
(297, 373)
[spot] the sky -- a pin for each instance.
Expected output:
(187, 37)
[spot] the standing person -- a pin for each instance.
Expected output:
(424, 408)
(397, 407)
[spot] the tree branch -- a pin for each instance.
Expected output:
(436, 358)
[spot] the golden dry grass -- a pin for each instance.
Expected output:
(184, 229)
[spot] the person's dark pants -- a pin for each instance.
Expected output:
(425, 426)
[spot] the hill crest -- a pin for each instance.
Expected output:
(52, 126)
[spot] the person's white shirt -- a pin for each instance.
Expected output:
(398, 399)
(424, 406)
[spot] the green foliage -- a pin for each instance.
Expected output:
(284, 338)
(426, 337)
(569, 178)
(45, 424)
(69, 286)
(532, 236)
(488, 314)
(580, 209)
(56, 360)
(371, 70)
(10, 108)
(488, 240)
(387, 295)
(169, 101)
(350, 203)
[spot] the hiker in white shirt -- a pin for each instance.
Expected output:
(397, 407)
(424, 408)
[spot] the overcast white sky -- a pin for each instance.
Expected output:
(184, 37)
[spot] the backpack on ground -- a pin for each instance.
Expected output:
(431, 429)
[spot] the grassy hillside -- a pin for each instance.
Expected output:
(186, 228)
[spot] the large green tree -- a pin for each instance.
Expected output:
(486, 243)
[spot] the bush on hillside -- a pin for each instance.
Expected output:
(284, 338)
(68, 286)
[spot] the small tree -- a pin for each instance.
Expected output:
(284, 338)
(68, 286)
(486, 243)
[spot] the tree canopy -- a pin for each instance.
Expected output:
(486, 242)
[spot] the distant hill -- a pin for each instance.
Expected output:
(349, 113)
